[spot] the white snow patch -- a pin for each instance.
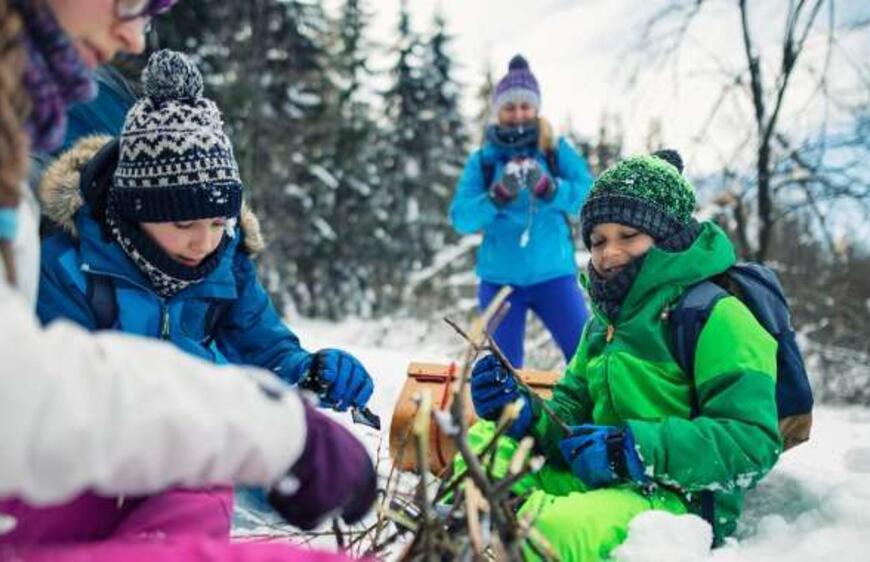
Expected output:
(659, 535)
(324, 176)
(323, 228)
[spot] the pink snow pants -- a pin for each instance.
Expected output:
(190, 548)
(180, 524)
(176, 512)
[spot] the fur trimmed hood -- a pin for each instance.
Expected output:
(61, 196)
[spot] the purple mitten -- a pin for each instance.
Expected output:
(508, 186)
(333, 476)
(540, 182)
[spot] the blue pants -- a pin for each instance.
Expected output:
(558, 303)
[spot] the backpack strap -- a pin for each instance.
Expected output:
(552, 162)
(215, 314)
(487, 169)
(100, 294)
(687, 320)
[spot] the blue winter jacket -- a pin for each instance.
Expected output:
(249, 330)
(549, 251)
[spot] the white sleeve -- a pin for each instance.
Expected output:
(120, 414)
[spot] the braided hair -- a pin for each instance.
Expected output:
(14, 107)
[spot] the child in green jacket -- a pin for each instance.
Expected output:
(639, 440)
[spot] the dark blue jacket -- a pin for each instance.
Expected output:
(249, 330)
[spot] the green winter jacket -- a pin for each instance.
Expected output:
(624, 374)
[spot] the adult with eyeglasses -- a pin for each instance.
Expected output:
(93, 425)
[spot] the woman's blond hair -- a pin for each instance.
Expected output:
(546, 137)
(14, 106)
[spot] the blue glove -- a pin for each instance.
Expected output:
(492, 388)
(339, 379)
(602, 455)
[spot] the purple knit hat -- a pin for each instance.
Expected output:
(518, 85)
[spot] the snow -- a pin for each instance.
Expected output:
(324, 176)
(813, 507)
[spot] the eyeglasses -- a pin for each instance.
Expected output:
(126, 10)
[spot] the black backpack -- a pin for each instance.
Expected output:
(758, 287)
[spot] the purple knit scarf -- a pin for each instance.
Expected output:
(55, 76)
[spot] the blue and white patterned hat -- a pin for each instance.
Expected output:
(175, 161)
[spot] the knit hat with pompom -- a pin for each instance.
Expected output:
(175, 163)
(646, 192)
(517, 86)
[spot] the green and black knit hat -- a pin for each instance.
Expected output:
(646, 192)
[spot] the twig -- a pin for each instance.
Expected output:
(500, 517)
(339, 534)
(493, 347)
(422, 420)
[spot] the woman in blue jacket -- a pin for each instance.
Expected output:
(520, 188)
(155, 241)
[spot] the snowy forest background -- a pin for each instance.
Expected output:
(350, 147)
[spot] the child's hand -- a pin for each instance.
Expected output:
(339, 379)
(492, 388)
(602, 455)
(539, 182)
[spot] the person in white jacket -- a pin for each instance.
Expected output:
(116, 414)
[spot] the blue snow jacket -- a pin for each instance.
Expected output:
(249, 329)
(105, 114)
(549, 249)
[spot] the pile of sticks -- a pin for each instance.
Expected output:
(466, 515)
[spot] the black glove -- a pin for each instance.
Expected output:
(333, 476)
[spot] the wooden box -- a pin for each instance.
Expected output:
(437, 379)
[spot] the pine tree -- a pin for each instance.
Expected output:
(287, 144)
(445, 144)
(402, 149)
(352, 161)
(484, 98)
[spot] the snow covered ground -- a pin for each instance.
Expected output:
(813, 507)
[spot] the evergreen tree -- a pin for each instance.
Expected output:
(484, 99)
(402, 150)
(445, 137)
(352, 161)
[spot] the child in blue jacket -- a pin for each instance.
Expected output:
(154, 231)
(519, 189)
